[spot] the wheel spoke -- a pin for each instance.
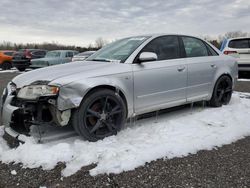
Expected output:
(115, 110)
(93, 113)
(221, 95)
(228, 90)
(104, 102)
(108, 125)
(97, 125)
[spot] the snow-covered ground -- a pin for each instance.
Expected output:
(243, 80)
(13, 70)
(175, 134)
(9, 71)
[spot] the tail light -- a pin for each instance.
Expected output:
(227, 52)
(27, 54)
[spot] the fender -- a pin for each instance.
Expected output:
(70, 97)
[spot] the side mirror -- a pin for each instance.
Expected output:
(147, 56)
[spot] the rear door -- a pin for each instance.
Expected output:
(201, 64)
(161, 83)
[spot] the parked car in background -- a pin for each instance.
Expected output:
(6, 59)
(240, 49)
(54, 58)
(21, 59)
(82, 56)
(128, 77)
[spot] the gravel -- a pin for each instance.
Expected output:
(227, 166)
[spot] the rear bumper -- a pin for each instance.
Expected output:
(21, 63)
(244, 67)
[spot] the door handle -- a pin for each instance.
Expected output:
(213, 65)
(180, 69)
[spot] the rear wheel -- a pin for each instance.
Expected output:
(6, 66)
(222, 92)
(102, 114)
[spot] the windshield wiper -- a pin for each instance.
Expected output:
(106, 60)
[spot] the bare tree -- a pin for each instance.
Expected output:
(100, 42)
(234, 34)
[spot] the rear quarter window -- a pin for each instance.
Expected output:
(211, 51)
(239, 43)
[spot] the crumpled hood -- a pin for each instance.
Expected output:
(66, 73)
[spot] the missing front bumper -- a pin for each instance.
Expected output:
(13, 138)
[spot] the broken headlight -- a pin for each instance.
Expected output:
(36, 91)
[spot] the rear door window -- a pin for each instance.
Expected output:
(211, 51)
(194, 47)
(239, 43)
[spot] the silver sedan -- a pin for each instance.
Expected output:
(126, 78)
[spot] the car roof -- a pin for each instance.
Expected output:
(7, 50)
(63, 51)
(29, 49)
(154, 35)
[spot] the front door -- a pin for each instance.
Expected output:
(161, 83)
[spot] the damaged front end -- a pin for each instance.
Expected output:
(35, 104)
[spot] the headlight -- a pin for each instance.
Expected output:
(35, 91)
(12, 87)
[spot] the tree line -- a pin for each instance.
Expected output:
(217, 41)
(6, 45)
(100, 42)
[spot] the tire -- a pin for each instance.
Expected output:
(6, 66)
(21, 68)
(102, 113)
(222, 92)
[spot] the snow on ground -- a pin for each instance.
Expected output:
(13, 70)
(175, 134)
(9, 71)
(243, 80)
(13, 172)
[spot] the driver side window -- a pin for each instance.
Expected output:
(166, 47)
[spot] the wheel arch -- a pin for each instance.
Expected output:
(216, 80)
(117, 90)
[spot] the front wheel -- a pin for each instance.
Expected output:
(222, 92)
(101, 114)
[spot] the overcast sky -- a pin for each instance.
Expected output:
(80, 22)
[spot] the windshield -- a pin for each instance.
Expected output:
(53, 54)
(119, 50)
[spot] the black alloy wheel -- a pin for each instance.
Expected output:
(222, 92)
(102, 114)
